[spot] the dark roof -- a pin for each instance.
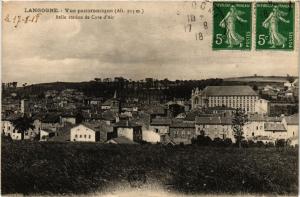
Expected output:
(108, 115)
(50, 118)
(93, 126)
(182, 124)
(109, 101)
(293, 119)
(48, 130)
(229, 91)
(263, 118)
(11, 117)
(126, 124)
(214, 120)
(121, 140)
(161, 121)
(105, 128)
(157, 110)
(274, 127)
(68, 115)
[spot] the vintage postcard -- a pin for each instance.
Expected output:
(150, 98)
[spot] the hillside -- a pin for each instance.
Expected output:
(275, 79)
(81, 168)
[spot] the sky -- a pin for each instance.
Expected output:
(153, 44)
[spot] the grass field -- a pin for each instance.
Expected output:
(79, 168)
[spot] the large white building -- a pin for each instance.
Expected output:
(243, 97)
(85, 133)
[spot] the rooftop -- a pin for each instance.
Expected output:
(274, 127)
(214, 120)
(161, 121)
(263, 118)
(182, 124)
(229, 91)
(126, 124)
(121, 140)
(293, 119)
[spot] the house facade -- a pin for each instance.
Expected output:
(214, 127)
(182, 132)
(84, 133)
(160, 125)
(127, 129)
(8, 129)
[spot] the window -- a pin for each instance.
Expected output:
(76, 136)
(196, 100)
(80, 136)
(252, 133)
(256, 127)
(89, 136)
(84, 136)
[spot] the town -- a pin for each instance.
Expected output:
(122, 111)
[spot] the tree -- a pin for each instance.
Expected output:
(239, 120)
(79, 118)
(255, 88)
(23, 124)
(289, 78)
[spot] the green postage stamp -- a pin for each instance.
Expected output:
(275, 26)
(232, 26)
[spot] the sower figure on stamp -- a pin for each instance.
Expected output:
(271, 23)
(229, 22)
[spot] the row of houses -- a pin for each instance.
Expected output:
(162, 129)
(220, 126)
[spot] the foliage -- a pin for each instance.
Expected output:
(79, 118)
(202, 140)
(280, 143)
(238, 121)
(164, 89)
(23, 124)
(30, 167)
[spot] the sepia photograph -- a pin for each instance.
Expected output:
(150, 98)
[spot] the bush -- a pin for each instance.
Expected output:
(218, 142)
(5, 138)
(260, 144)
(202, 140)
(227, 142)
(251, 143)
(269, 145)
(280, 143)
(244, 143)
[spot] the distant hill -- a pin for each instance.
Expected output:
(275, 79)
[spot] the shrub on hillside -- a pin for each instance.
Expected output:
(80, 168)
(280, 143)
(202, 140)
(227, 142)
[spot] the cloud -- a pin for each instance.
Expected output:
(151, 45)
